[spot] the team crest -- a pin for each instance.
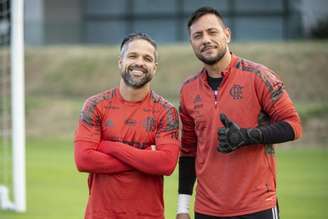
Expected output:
(236, 92)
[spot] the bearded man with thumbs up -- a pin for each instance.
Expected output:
(232, 113)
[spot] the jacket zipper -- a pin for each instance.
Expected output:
(216, 92)
(216, 98)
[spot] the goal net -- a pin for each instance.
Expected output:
(12, 118)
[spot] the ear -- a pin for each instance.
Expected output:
(119, 63)
(227, 33)
(155, 67)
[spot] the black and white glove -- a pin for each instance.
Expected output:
(231, 137)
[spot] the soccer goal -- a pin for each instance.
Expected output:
(12, 107)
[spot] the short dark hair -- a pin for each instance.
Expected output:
(201, 12)
(136, 36)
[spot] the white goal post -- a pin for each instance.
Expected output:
(17, 111)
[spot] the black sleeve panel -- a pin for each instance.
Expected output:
(187, 175)
(277, 133)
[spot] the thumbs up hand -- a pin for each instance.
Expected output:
(231, 137)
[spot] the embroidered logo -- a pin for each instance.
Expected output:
(236, 92)
(198, 102)
(130, 122)
(113, 107)
(197, 99)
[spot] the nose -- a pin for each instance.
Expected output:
(139, 61)
(206, 38)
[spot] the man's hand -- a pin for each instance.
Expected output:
(232, 136)
(153, 147)
(183, 216)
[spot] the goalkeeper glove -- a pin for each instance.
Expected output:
(231, 137)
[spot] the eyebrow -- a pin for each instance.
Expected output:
(198, 32)
(208, 29)
(144, 55)
(212, 28)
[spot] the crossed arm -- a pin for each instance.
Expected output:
(89, 159)
(114, 157)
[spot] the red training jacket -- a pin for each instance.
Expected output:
(243, 181)
(112, 143)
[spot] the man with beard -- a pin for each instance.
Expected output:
(127, 139)
(232, 112)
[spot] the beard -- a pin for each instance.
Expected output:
(212, 60)
(133, 82)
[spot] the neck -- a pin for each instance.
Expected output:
(132, 94)
(215, 70)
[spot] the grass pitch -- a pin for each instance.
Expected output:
(56, 190)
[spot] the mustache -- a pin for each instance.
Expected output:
(138, 68)
(207, 46)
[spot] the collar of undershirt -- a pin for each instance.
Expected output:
(214, 83)
(224, 73)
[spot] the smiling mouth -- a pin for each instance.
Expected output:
(137, 70)
(137, 73)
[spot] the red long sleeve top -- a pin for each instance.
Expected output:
(243, 181)
(112, 144)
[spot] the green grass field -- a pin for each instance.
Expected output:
(56, 190)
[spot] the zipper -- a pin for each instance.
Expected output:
(216, 98)
(216, 92)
